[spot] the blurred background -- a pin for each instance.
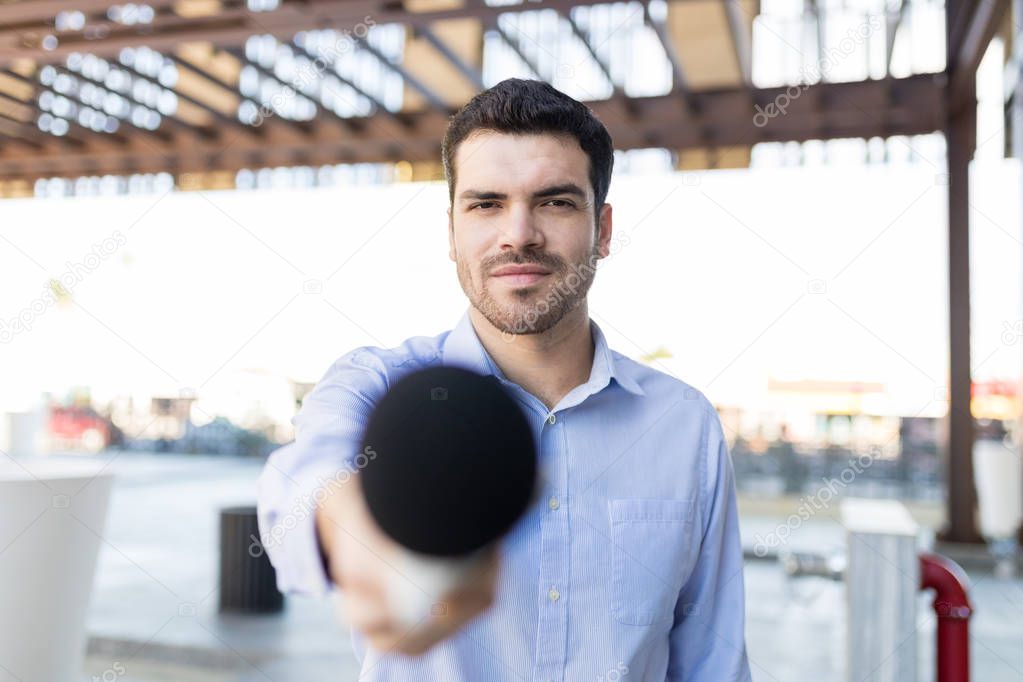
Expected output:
(206, 202)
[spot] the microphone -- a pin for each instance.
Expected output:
(455, 468)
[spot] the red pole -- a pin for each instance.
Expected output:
(953, 608)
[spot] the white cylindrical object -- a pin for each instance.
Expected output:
(998, 470)
(422, 581)
(882, 580)
(52, 516)
(24, 433)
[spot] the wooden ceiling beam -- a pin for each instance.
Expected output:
(429, 95)
(306, 127)
(908, 106)
(392, 122)
(739, 26)
(680, 84)
(77, 134)
(378, 105)
(513, 43)
(472, 73)
(235, 24)
(230, 122)
(966, 53)
(893, 22)
(22, 132)
(171, 121)
(43, 11)
(604, 67)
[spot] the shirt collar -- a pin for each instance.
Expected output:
(463, 348)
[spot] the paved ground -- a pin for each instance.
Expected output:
(154, 617)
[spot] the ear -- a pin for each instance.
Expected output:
(451, 237)
(604, 234)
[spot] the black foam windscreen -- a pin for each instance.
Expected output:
(454, 465)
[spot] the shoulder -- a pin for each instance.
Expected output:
(345, 396)
(381, 366)
(354, 383)
(665, 388)
(687, 411)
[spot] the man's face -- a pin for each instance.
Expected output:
(525, 202)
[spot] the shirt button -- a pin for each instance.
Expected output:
(553, 595)
(553, 503)
(551, 418)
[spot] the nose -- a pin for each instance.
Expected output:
(520, 231)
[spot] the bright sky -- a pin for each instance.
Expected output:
(717, 271)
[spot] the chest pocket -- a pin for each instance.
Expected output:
(655, 545)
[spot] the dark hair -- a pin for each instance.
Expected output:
(526, 107)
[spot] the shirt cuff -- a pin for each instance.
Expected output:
(288, 490)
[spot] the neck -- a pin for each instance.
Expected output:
(548, 364)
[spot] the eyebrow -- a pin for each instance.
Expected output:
(550, 191)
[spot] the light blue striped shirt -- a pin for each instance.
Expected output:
(628, 568)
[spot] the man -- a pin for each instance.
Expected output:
(630, 568)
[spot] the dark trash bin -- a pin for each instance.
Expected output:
(248, 582)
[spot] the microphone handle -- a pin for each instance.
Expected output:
(421, 582)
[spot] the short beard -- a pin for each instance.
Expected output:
(536, 310)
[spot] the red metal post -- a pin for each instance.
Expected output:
(953, 608)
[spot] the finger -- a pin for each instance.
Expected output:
(366, 611)
(480, 586)
(407, 639)
(397, 641)
(454, 613)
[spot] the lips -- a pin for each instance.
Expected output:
(520, 275)
(509, 270)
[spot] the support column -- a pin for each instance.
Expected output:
(961, 138)
(1016, 125)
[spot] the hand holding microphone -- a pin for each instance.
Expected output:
(454, 469)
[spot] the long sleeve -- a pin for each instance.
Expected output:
(707, 641)
(324, 456)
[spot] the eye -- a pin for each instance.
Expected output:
(560, 203)
(483, 205)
